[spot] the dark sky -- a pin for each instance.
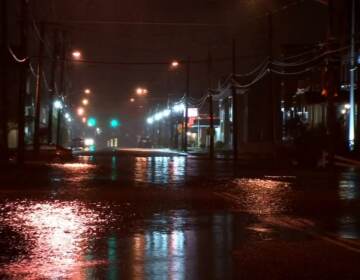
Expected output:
(113, 85)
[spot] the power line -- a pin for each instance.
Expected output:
(150, 23)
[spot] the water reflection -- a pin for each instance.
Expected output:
(262, 196)
(349, 227)
(160, 170)
(71, 172)
(73, 240)
(349, 186)
(179, 252)
(56, 235)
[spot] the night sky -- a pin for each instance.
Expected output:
(113, 85)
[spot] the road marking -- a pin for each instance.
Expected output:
(299, 224)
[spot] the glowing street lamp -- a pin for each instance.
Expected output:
(85, 101)
(58, 104)
(150, 120)
(141, 91)
(80, 111)
(76, 54)
(175, 64)
(84, 120)
(132, 99)
(87, 91)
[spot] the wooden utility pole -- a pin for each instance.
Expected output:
(272, 94)
(234, 104)
(4, 151)
(211, 109)
(187, 95)
(52, 86)
(23, 80)
(62, 87)
(38, 94)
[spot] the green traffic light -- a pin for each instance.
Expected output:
(91, 122)
(114, 123)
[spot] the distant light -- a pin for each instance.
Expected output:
(58, 104)
(158, 116)
(85, 101)
(76, 54)
(91, 122)
(114, 123)
(132, 99)
(141, 91)
(178, 108)
(150, 120)
(87, 91)
(98, 130)
(166, 113)
(343, 111)
(193, 112)
(89, 141)
(80, 111)
(175, 64)
(67, 116)
(347, 106)
(83, 120)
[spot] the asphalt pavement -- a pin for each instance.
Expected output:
(172, 217)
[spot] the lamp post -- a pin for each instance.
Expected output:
(59, 106)
(174, 65)
(187, 93)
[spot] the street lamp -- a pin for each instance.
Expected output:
(80, 111)
(84, 120)
(175, 64)
(87, 91)
(141, 91)
(85, 101)
(76, 54)
(58, 104)
(132, 99)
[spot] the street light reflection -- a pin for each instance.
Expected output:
(160, 170)
(58, 234)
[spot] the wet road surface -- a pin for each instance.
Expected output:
(177, 218)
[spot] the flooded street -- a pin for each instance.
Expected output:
(175, 218)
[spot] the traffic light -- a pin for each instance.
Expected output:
(91, 122)
(114, 123)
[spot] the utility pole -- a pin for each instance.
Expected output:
(211, 109)
(62, 88)
(234, 103)
(22, 84)
(4, 150)
(52, 86)
(187, 94)
(331, 77)
(272, 94)
(351, 137)
(39, 82)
